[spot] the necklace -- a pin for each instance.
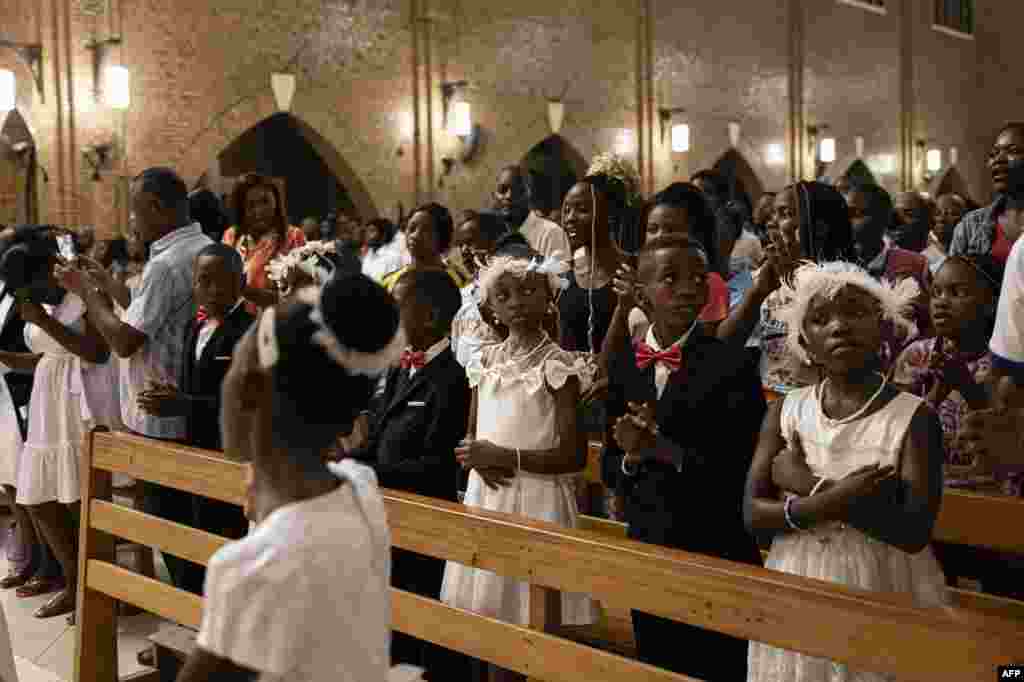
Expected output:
(511, 358)
(819, 395)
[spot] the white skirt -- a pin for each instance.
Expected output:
(48, 469)
(10, 437)
(543, 498)
(846, 556)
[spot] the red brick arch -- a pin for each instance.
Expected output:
(197, 159)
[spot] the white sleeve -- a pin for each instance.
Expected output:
(1007, 342)
(256, 620)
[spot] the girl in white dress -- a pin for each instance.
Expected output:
(524, 443)
(305, 596)
(59, 338)
(861, 462)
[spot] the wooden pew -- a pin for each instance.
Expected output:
(870, 631)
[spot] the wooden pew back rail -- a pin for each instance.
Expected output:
(875, 632)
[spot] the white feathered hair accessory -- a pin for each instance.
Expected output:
(827, 279)
(356, 362)
(553, 268)
(311, 258)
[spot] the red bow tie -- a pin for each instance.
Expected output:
(645, 355)
(413, 359)
(201, 315)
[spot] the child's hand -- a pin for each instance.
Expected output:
(164, 401)
(864, 482)
(624, 283)
(33, 313)
(789, 468)
(631, 436)
(479, 454)
(993, 439)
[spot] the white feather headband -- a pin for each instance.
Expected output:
(356, 362)
(827, 279)
(553, 268)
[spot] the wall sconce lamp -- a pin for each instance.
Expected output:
(100, 156)
(953, 157)
(858, 145)
(930, 160)
(934, 160)
(457, 112)
(99, 54)
(32, 55)
(824, 151)
(776, 154)
(556, 110)
(283, 86)
(680, 131)
(458, 115)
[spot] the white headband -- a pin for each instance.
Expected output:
(552, 268)
(356, 362)
(809, 280)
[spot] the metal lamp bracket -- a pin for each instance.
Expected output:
(99, 51)
(666, 116)
(32, 56)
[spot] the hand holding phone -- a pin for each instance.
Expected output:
(66, 247)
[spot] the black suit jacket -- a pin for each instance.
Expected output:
(12, 339)
(202, 379)
(415, 428)
(712, 407)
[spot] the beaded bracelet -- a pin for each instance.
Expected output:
(627, 472)
(787, 512)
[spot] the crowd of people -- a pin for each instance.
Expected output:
(803, 375)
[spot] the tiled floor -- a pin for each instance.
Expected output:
(45, 649)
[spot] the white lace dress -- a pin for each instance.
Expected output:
(516, 409)
(839, 553)
(48, 466)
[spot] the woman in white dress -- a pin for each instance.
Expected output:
(861, 462)
(524, 444)
(59, 338)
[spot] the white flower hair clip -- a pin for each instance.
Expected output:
(309, 258)
(356, 362)
(554, 268)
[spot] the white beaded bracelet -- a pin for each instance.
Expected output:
(626, 471)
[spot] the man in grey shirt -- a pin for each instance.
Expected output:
(150, 337)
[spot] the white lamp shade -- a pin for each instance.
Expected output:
(460, 121)
(858, 143)
(8, 93)
(827, 150)
(681, 138)
(556, 113)
(624, 143)
(734, 134)
(283, 85)
(118, 87)
(953, 158)
(934, 160)
(405, 124)
(776, 154)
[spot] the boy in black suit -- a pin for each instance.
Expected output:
(414, 428)
(209, 342)
(681, 478)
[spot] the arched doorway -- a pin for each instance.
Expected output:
(18, 168)
(315, 180)
(859, 174)
(744, 185)
(553, 166)
(950, 182)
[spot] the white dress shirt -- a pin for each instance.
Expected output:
(210, 326)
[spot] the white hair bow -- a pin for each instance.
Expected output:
(356, 362)
(554, 268)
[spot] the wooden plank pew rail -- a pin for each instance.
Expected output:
(877, 632)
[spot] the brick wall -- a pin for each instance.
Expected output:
(201, 77)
